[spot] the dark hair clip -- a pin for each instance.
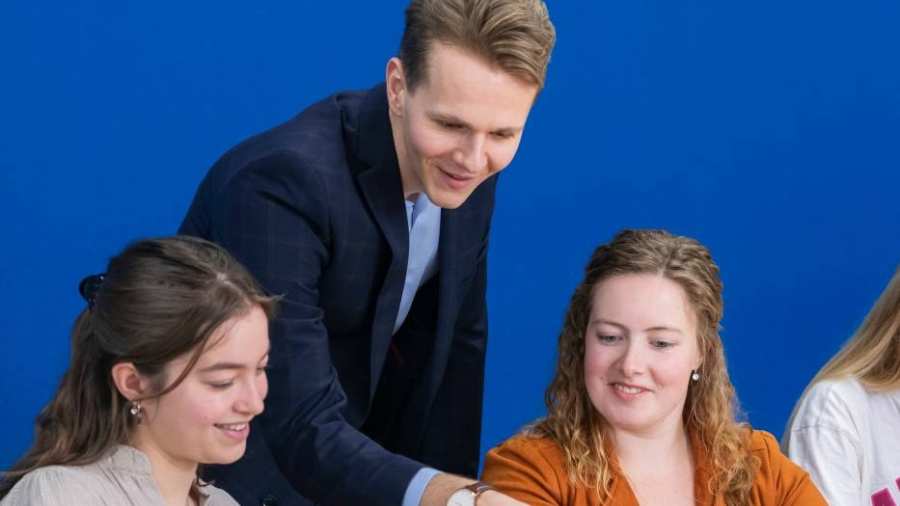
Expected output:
(89, 286)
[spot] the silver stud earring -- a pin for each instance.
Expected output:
(136, 410)
(695, 376)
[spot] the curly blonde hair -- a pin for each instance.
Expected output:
(711, 405)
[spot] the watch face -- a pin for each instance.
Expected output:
(462, 498)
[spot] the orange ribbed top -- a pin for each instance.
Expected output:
(533, 470)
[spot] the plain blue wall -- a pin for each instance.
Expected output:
(768, 130)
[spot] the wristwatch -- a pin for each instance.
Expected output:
(467, 495)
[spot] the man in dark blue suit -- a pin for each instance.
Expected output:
(370, 213)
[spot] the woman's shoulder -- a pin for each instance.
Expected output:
(779, 477)
(52, 485)
(531, 446)
(767, 450)
(217, 497)
(530, 468)
(531, 440)
(527, 453)
(120, 475)
(763, 444)
(848, 387)
(830, 402)
(826, 393)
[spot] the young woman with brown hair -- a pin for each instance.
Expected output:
(167, 370)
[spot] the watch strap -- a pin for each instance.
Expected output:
(479, 487)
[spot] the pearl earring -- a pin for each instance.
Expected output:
(695, 376)
(136, 410)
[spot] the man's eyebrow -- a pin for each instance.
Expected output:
(449, 118)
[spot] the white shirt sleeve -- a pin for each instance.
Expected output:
(823, 439)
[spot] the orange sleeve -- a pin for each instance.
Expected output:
(527, 470)
(781, 479)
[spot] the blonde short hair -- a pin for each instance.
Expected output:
(515, 35)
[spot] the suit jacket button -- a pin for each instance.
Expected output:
(269, 500)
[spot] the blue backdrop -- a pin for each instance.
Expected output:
(768, 130)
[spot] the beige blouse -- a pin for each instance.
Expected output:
(121, 478)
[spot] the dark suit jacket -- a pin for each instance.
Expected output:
(314, 209)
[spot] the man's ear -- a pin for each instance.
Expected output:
(395, 81)
(129, 382)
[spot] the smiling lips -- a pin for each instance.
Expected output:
(238, 431)
(627, 392)
(455, 181)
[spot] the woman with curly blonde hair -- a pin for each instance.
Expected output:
(641, 409)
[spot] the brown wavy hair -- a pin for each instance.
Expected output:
(159, 299)
(711, 405)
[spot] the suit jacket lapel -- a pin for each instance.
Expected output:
(448, 306)
(379, 182)
(448, 298)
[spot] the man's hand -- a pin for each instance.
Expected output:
(443, 485)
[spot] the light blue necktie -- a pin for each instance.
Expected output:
(424, 221)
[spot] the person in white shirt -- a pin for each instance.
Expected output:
(845, 430)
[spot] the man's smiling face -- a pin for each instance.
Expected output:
(459, 126)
